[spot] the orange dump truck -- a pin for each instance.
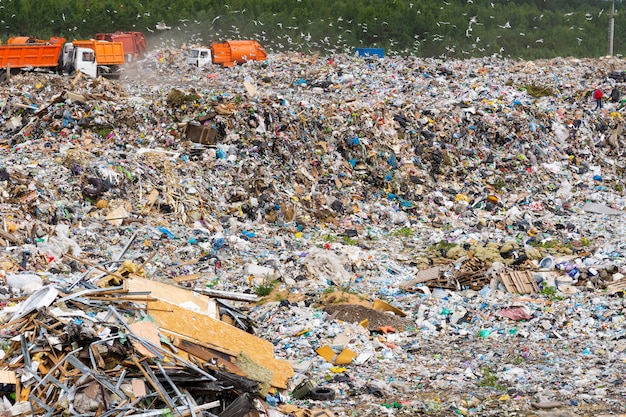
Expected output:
(135, 44)
(93, 58)
(24, 52)
(227, 53)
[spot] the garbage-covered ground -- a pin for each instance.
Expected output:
(400, 236)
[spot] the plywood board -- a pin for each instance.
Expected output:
(208, 330)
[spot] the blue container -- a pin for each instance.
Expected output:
(365, 52)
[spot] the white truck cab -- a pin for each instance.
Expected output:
(199, 57)
(79, 59)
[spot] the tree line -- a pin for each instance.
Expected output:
(518, 29)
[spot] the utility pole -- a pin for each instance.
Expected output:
(611, 27)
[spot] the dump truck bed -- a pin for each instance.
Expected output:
(107, 53)
(37, 55)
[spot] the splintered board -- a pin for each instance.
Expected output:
(205, 329)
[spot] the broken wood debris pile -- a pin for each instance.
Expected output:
(131, 350)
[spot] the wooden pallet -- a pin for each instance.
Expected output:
(616, 285)
(473, 281)
(519, 282)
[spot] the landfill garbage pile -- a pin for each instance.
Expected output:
(304, 236)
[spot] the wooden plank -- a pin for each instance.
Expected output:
(506, 280)
(517, 282)
(207, 354)
(523, 283)
(183, 278)
(206, 329)
(173, 295)
(8, 236)
(424, 275)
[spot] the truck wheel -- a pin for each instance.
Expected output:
(3, 77)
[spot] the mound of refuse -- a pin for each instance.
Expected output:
(303, 236)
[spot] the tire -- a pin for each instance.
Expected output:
(322, 394)
(3, 77)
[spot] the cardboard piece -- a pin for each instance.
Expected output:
(292, 410)
(327, 353)
(208, 330)
(598, 208)
(139, 387)
(205, 135)
(146, 330)
(116, 217)
(380, 305)
(250, 88)
(345, 357)
(8, 377)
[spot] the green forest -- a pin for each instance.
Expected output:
(521, 29)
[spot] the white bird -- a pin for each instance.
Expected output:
(507, 25)
(215, 18)
(539, 41)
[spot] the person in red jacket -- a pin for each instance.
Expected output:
(597, 96)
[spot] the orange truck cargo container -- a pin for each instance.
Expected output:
(24, 52)
(230, 53)
(107, 53)
(135, 44)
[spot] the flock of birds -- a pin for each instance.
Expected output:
(292, 37)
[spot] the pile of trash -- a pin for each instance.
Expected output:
(306, 236)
